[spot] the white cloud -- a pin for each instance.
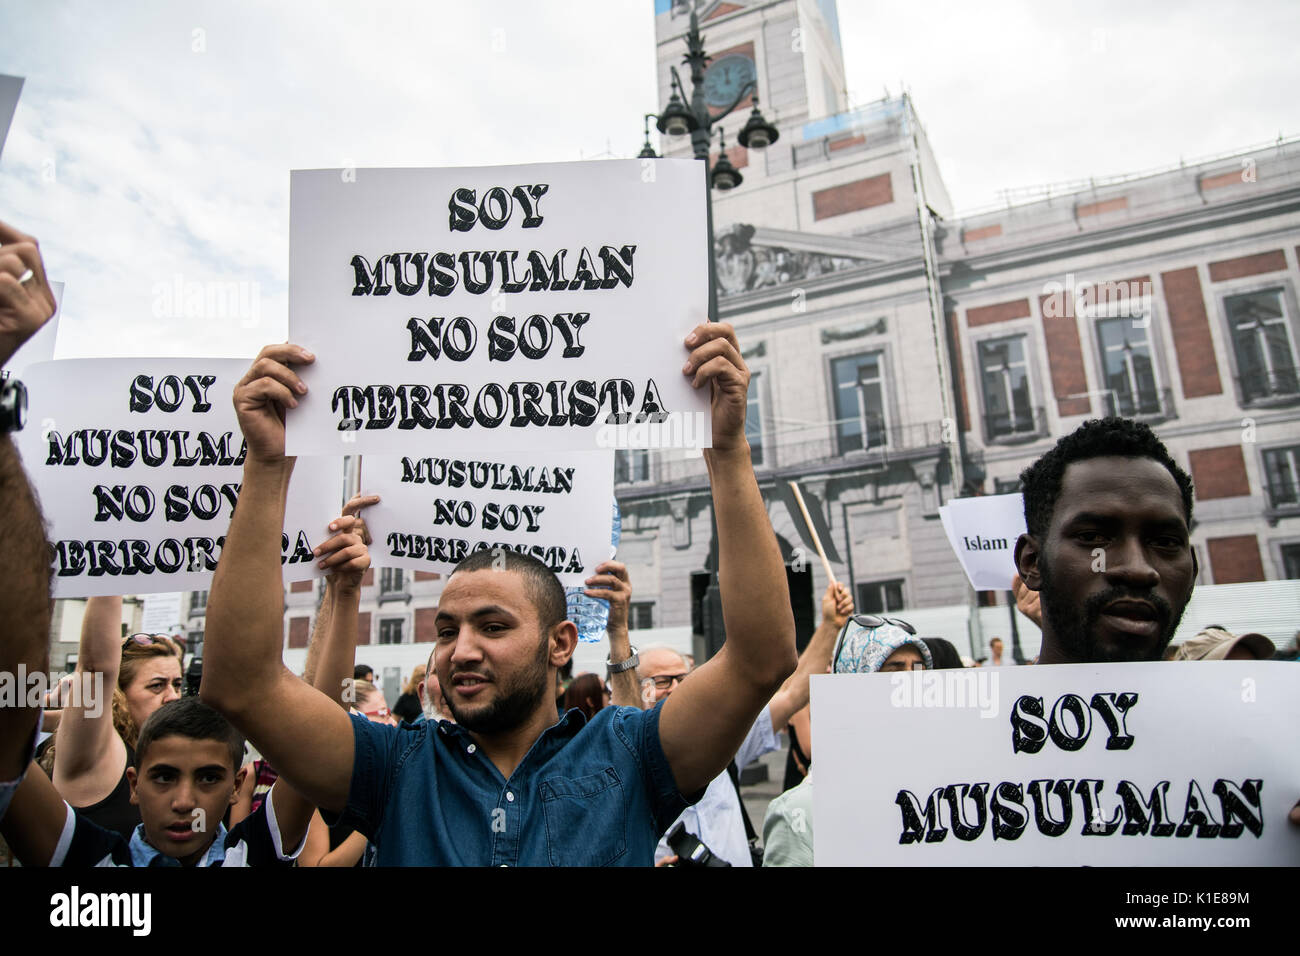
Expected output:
(170, 162)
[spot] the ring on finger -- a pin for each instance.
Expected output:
(26, 277)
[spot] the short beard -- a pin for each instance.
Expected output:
(515, 704)
(1074, 630)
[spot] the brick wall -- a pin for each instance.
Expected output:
(983, 232)
(1219, 472)
(1274, 261)
(850, 197)
(299, 631)
(1235, 560)
(1065, 354)
(1190, 328)
(363, 627)
(1102, 206)
(424, 625)
(426, 575)
(300, 587)
(1001, 312)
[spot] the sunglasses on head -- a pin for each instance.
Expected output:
(869, 622)
(144, 640)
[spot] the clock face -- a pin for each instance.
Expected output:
(726, 78)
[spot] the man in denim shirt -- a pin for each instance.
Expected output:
(506, 785)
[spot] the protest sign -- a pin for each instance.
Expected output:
(509, 308)
(1165, 764)
(40, 347)
(161, 613)
(138, 464)
(433, 512)
(983, 531)
(10, 87)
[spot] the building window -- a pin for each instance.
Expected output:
(1004, 381)
(631, 465)
(1291, 561)
(880, 597)
(640, 616)
(859, 382)
(194, 643)
(1266, 365)
(390, 630)
(198, 602)
(1128, 373)
(391, 581)
(1282, 472)
(754, 420)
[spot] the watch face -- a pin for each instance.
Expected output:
(726, 78)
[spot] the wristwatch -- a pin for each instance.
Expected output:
(13, 405)
(622, 666)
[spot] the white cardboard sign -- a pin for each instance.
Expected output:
(161, 613)
(434, 511)
(40, 347)
(1154, 764)
(138, 465)
(10, 88)
(983, 532)
(511, 308)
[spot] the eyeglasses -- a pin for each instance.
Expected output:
(382, 713)
(870, 622)
(664, 681)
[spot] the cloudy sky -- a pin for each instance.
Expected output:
(153, 140)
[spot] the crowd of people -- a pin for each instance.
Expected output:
(487, 758)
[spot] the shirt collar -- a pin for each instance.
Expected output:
(142, 854)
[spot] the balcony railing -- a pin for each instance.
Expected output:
(1149, 405)
(804, 449)
(1283, 497)
(1280, 386)
(1015, 426)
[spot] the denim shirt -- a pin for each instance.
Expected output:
(588, 793)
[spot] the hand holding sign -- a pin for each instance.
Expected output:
(837, 604)
(266, 390)
(26, 302)
(715, 359)
(345, 556)
(610, 583)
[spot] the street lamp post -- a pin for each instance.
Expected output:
(678, 119)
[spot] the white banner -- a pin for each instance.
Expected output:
(161, 614)
(1152, 764)
(138, 464)
(510, 308)
(435, 511)
(10, 88)
(40, 347)
(983, 531)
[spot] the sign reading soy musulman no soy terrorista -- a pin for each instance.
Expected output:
(520, 308)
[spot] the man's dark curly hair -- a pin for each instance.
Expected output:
(1098, 438)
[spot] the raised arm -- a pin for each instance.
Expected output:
(243, 674)
(91, 754)
(331, 657)
(611, 583)
(837, 605)
(706, 719)
(25, 597)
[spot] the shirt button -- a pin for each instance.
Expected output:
(510, 796)
(471, 748)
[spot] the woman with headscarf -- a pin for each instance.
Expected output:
(868, 644)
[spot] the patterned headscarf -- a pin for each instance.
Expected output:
(865, 650)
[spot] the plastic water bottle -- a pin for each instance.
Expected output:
(592, 614)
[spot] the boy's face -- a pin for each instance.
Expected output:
(183, 788)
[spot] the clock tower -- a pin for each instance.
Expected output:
(790, 47)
